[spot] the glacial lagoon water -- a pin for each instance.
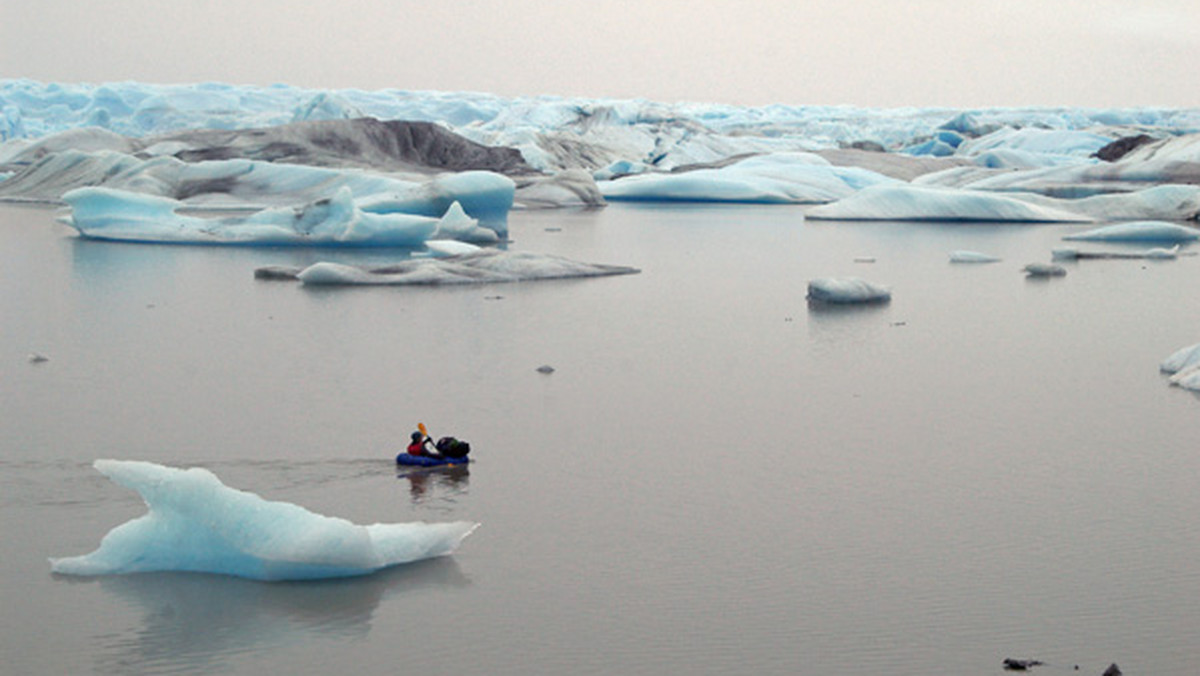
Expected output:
(716, 478)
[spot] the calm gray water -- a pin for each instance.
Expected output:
(716, 479)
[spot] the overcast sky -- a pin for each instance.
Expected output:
(961, 53)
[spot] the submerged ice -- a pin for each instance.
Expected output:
(462, 264)
(197, 524)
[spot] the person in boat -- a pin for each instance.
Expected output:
(422, 445)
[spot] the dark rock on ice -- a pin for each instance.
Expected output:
(1011, 664)
(1044, 270)
(278, 272)
(1121, 147)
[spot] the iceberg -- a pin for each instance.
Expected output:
(1162, 203)
(972, 257)
(1139, 231)
(1043, 270)
(472, 267)
(253, 184)
(1182, 359)
(195, 523)
(779, 178)
(1155, 253)
(847, 290)
(103, 213)
(920, 203)
(1188, 379)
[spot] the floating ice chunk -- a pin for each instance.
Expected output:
(780, 178)
(481, 266)
(1139, 231)
(1160, 203)
(195, 523)
(1044, 270)
(1156, 253)
(1188, 378)
(102, 213)
(1159, 253)
(455, 224)
(972, 257)
(918, 203)
(486, 196)
(847, 290)
(1181, 359)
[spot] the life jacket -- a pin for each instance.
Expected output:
(416, 448)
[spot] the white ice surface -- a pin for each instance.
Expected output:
(910, 202)
(195, 523)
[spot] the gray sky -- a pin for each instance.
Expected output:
(958, 53)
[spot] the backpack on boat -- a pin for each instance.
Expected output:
(452, 448)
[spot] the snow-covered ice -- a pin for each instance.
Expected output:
(195, 523)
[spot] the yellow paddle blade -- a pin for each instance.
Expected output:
(421, 426)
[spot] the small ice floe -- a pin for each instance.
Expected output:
(864, 259)
(1139, 231)
(1188, 378)
(1184, 365)
(1044, 270)
(1156, 253)
(477, 266)
(37, 358)
(972, 257)
(545, 368)
(1181, 359)
(844, 290)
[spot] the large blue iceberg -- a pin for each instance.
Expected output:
(195, 523)
(103, 213)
